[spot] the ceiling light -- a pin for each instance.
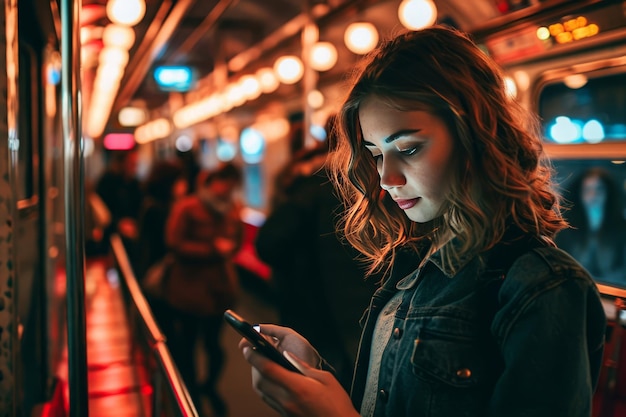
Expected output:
(575, 81)
(522, 79)
(120, 36)
(131, 116)
(267, 80)
(289, 69)
(315, 99)
(114, 56)
(417, 14)
(126, 12)
(323, 56)
(250, 87)
(361, 37)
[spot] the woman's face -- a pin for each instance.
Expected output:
(222, 189)
(594, 192)
(413, 152)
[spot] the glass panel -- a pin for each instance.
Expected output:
(594, 193)
(25, 176)
(590, 110)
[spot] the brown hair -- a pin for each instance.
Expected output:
(500, 177)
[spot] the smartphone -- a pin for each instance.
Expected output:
(261, 344)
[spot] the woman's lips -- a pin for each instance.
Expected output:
(407, 204)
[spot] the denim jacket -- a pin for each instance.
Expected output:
(497, 339)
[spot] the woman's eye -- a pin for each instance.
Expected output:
(410, 151)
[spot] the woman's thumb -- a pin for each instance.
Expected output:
(295, 361)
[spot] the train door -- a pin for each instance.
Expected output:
(32, 283)
(25, 315)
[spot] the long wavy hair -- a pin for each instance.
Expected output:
(501, 177)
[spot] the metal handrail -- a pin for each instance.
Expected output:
(158, 340)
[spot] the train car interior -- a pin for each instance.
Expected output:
(207, 82)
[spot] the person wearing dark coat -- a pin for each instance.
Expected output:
(320, 285)
(120, 190)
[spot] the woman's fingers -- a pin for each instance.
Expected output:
(289, 340)
(279, 332)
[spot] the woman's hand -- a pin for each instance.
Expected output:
(316, 393)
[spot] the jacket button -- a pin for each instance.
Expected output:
(383, 395)
(397, 333)
(464, 373)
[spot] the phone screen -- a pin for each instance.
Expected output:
(261, 344)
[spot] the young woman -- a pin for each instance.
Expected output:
(479, 313)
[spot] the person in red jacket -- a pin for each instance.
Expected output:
(203, 233)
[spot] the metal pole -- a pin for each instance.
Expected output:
(74, 203)
(310, 36)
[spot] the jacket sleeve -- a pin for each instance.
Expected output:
(551, 334)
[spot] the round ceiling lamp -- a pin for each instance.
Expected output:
(126, 12)
(315, 99)
(361, 37)
(417, 14)
(575, 81)
(250, 87)
(289, 69)
(267, 80)
(120, 36)
(323, 56)
(114, 57)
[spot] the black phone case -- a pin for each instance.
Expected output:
(261, 345)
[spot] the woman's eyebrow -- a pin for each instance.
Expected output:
(394, 136)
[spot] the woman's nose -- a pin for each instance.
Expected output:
(390, 175)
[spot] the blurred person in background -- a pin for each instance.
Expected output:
(120, 189)
(320, 287)
(597, 236)
(97, 220)
(165, 184)
(191, 167)
(203, 233)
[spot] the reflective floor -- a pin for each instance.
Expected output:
(117, 385)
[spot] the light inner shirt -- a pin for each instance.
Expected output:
(380, 339)
(382, 333)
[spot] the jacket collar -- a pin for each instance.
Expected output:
(514, 240)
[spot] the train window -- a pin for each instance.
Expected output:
(594, 196)
(581, 109)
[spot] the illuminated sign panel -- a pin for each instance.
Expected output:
(174, 78)
(529, 40)
(573, 30)
(119, 141)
